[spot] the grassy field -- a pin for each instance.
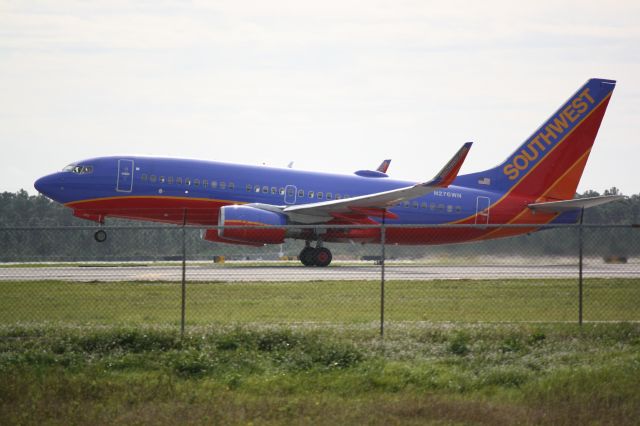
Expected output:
(310, 353)
(504, 300)
(556, 374)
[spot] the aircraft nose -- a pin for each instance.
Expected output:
(46, 184)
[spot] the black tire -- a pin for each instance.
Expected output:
(322, 257)
(100, 236)
(306, 256)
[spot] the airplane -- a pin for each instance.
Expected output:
(535, 186)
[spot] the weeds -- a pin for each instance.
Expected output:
(482, 374)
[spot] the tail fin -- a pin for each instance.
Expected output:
(549, 164)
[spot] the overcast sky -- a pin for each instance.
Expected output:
(331, 85)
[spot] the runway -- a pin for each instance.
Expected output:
(270, 272)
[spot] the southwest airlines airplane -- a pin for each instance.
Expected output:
(535, 185)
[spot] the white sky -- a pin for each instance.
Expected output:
(332, 85)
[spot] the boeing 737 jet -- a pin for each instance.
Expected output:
(535, 185)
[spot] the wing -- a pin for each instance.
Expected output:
(375, 204)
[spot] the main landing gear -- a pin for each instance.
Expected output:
(318, 256)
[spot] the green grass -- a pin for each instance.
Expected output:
(309, 353)
(506, 300)
(420, 374)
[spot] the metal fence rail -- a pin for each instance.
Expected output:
(168, 274)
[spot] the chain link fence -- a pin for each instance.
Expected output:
(170, 275)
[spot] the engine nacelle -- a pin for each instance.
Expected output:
(249, 225)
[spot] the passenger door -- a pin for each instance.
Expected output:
(125, 176)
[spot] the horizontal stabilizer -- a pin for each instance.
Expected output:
(576, 204)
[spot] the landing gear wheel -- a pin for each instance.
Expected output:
(322, 257)
(306, 256)
(100, 236)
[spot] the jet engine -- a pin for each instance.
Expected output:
(248, 225)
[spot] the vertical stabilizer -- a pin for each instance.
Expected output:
(549, 164)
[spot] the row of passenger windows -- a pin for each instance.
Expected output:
(301, 193)
(170, 180)
(431, 206)
(290, 191)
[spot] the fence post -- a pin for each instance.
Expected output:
(184, 273)
(382, 262)
(580, 245)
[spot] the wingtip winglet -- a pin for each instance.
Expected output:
(450, 171)
(384, 166)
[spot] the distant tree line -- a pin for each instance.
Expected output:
(36, 211)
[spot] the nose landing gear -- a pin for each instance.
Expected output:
(318, 256)
(100, 236)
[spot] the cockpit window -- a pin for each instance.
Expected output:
(78, 169)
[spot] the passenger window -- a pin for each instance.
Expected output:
(320, 195)
(223, 185)
(170, 180)
(329, 196)
(300, 192)
(347, 196)
(423, 205)
(161, 179)
(449, 208)
(249, 187)
(415, 204)
(231, 186)
(458, 209)
(432, 206)
(214, 184)
(274, 190)
(407, 204)
(281, 191)
(441, 207)
(205, 183)
(256, 188)
(187, 181)
(179, 180)
(143, 177)
(311, 194)
(153, 178)
(265, 189)
(337, 196)
(196, 182)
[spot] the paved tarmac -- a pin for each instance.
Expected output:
(235, 272)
